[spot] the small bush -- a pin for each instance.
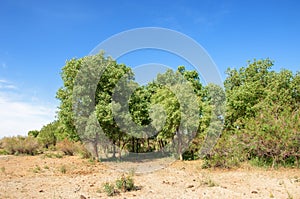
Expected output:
(36, 169)
(2, 169)
(67, 147)
(73, 148)
(3, 152)
(20, 145)
(63, 169)
(109, 189)
(125, 183)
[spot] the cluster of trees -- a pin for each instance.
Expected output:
(102, 104)
(254, 117)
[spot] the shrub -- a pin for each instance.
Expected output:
(109, 189)
(20, 145)
(67, 147)
(47, 134)
(227, 153)
(63, 169)
(72, 148)
(125, 183)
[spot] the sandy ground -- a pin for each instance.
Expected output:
(73, 177)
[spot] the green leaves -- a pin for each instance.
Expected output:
(262, 114)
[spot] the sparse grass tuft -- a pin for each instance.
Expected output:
(36, 169)
(207, 181)
(63, 169)
(2, 169)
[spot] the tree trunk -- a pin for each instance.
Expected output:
(179, 151)
(132, 142)
(96, 146)
(114, 149)
(148, 144)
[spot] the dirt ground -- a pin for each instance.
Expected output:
(73, 177)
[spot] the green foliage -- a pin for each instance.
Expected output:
(92, 87)
(36, 169)
(122, 184)
(20, 145)
(65, 94)
(262, 117)
(109, 189)
(125, 183)
(63, 169)
(47, 135)
(33, 133)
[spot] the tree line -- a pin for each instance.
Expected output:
(254, 117)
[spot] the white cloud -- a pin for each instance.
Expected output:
(4, 84)
(18, 116)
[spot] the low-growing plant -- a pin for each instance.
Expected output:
(125, 183)
(109, 189)
(63, 169)
(208, 182)
(52, 155)
(20, 145)
(2, 169)
(67, 147)
(36, 169)
(73, 148)
(3, 152)
(122, 184)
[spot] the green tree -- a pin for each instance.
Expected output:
(47, 134)
(262, 119)
(179, 94)
(65, 95)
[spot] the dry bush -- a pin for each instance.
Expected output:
(73, 148)
(20, 145)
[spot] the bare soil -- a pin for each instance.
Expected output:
(73, 177)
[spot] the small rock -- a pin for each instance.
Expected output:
(254, 192)
(41, 191)
(190, 186)
(82, 197)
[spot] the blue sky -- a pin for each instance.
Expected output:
(37, 37)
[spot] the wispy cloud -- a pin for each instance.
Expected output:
(4, 84)
(3, 65)
(18, 116)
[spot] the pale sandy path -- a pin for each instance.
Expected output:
(38, 177)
